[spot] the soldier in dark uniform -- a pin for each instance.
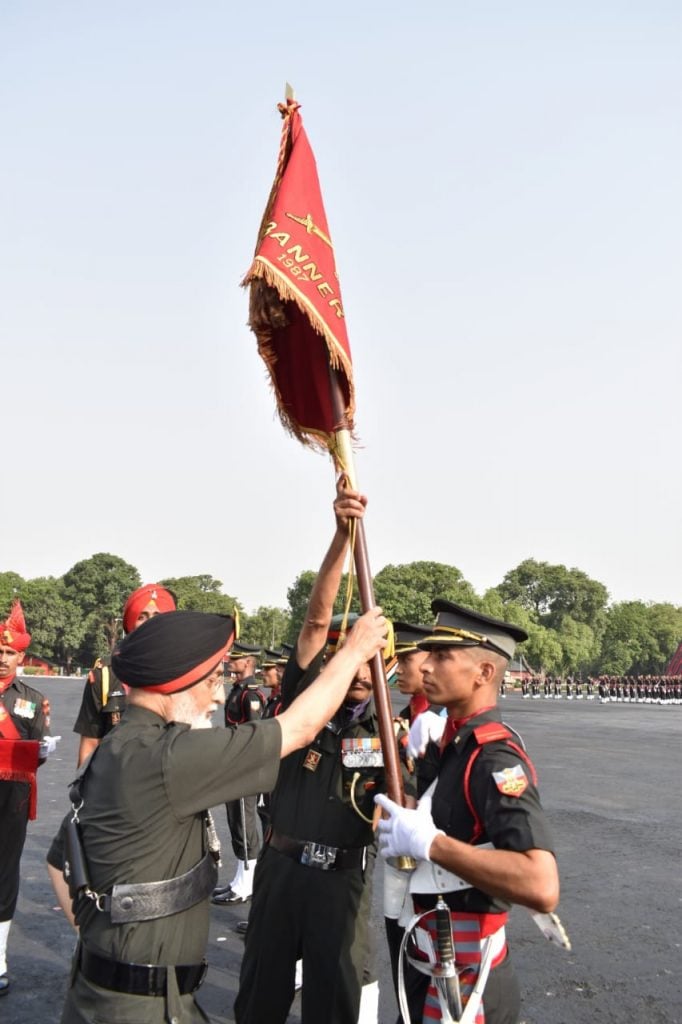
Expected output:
(142, 802)
(311, 892)
(244, 703)
(485, 793)
(272, 671)
(410, 681)
(24, 717)
(271, 676)
(104, 697)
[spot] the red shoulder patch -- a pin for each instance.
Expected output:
(491, 731)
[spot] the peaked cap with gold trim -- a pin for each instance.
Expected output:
(408, 635)
(285, 654)
(242, 650)
(457, 626)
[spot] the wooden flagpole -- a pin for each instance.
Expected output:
(382, 699)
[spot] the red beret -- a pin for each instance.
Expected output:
(150, 593)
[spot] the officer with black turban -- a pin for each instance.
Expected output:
(141, 829)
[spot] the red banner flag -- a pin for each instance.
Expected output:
(295, 306)
(19, 763)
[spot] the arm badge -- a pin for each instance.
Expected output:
(511, 781)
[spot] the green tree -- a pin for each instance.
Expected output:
(201, 593)
(11, 587)
(552, 591)
(298, 596)
(639, 638)
(405, 592)
(542, 650)
(579, 645)
(56, 624)
(99, 586)
(267, 627)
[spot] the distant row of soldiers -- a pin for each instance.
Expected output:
(624, 689)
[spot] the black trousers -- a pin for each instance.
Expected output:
(234, 820)
(14, 798)
(321, 917)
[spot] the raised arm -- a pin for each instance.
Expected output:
(347, 505)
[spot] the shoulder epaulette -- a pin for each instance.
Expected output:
(491, 731)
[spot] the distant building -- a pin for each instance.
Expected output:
(518, 669)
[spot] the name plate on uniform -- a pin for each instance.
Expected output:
(364, 752)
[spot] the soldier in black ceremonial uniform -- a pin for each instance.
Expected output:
(410, 681)
(24, 744)
(272, 669)
(142, 818)
(311, 898)
(485, 793)
(245, 703)
(273, 665)
(104, 696)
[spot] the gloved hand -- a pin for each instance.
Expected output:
(426, 727)
(405, 832)
(48, 745)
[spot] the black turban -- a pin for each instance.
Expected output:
(171, 652)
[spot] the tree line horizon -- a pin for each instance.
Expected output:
(573, 630)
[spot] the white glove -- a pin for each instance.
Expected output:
(405, 832)
(48, 745)
(427, 727)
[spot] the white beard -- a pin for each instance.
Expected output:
(185, 711)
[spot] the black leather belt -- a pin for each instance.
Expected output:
(138, 979)
(317, 855)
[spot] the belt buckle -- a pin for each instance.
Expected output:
(317, 855)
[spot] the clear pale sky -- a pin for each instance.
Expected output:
(502, 184)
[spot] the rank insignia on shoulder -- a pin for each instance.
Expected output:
(312, 760)
(511, 781)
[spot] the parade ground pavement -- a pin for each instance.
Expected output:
(611, 784)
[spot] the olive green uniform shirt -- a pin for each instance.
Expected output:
(141, 821)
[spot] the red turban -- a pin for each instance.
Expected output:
(150, 593)
(13, 632)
